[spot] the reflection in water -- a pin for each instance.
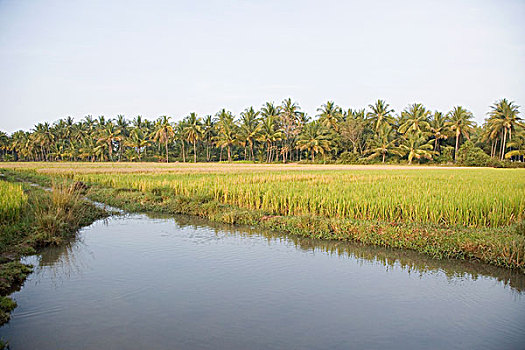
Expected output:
(159, 282)
(407, 260)
(65, 260)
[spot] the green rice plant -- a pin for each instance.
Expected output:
(466, 197)
(12, 201)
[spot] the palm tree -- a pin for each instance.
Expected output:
(330, 115)
(290, 124)
(138, 123)
(43, 137)
(138, 140)
(227, 135)
(193, 132)
(518, 145)
(179, 133)
(437, 128)
(383, 143)
(380, 114)
(460, 123)
(415, 119)
(250, 128)
(208, 127)
(122, 125)
(4, 144)
(314, 139)
(504, 117)
(108, 135)
(21, 145)
(415, 146)
(269, 129)
(163, 133)
(270, 133)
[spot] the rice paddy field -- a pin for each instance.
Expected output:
(12, 201)
(445, 212)
(478, 197)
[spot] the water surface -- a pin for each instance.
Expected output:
(136, 282)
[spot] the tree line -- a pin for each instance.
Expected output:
(278, 133)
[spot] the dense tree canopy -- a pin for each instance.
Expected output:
(277, 133)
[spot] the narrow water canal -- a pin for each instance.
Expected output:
(136, 282)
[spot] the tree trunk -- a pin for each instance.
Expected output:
(456, 152)
(503, 144)
(384, 156)
(194, 153)
(167, 156)
(110, 150)
(183, 153)
(229, 153)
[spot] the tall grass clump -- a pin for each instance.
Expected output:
(58, 214)
(12, 201)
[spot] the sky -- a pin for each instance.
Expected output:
(152, 58)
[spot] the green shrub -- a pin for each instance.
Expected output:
(446, 155)
(470, 155)
(348, 158)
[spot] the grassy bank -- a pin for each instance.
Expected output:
(472, 214)
(32, 218)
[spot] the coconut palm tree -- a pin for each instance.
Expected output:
(383, 143)
(163, 133)
(414, 119)
(330, 115)
(109, 135)
(270, 134)
(380, 114)
(4, 144)
(44, 138)
(289, 123)
(179, 131)
(250, 128)
(227, 135)
(437, 128)
(208, 129)
(504, 118)
(122, 125)
(138, 140)
(193, 132)
(460, 123)
(314, 138)
(415, 146)
(518, 146)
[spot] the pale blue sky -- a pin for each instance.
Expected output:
(60, 58)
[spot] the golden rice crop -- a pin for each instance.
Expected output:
(469, 197)
(12, 201)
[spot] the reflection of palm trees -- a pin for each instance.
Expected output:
(389, 258)
(63, 261)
